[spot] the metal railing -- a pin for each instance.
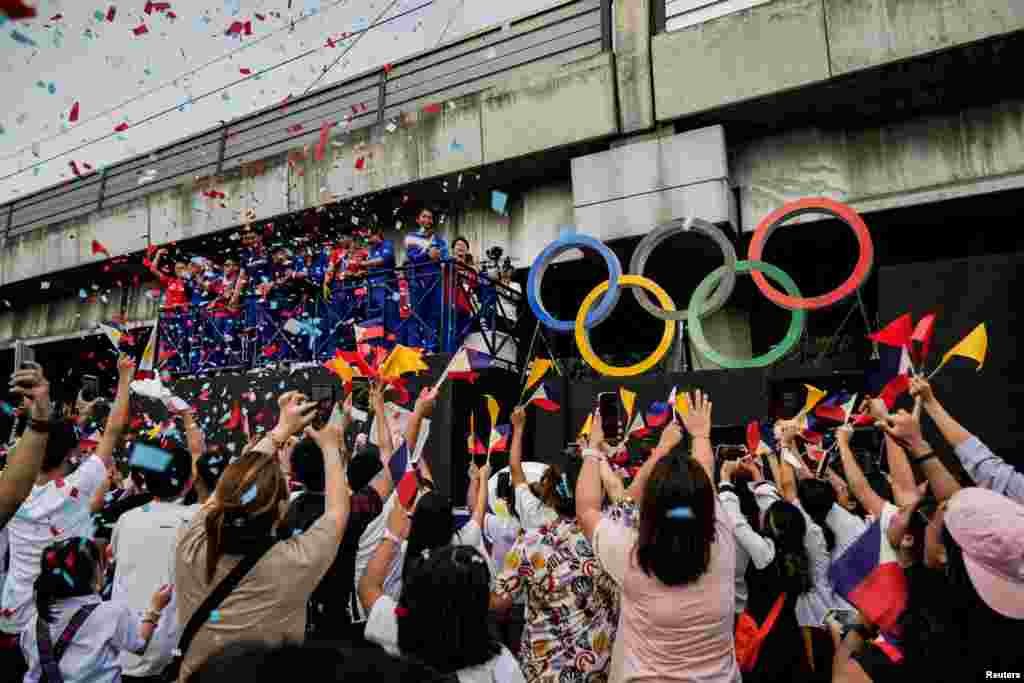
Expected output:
(432, 306)
(567, 32)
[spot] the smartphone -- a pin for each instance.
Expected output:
(611, 418)
(90, 387)
(150, 458)
(843, 616)
(361, 394)
(323, 395)
(23, 353)
(730, 452)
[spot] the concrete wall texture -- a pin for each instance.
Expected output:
(644, 82)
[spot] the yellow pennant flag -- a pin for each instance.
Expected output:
(402, 360)
(494, 408)
(682, 405)
(538, 368)
(148, 360)
(973, 346)
(814, 396)
(340, 367)
(585, 430)
(628, 401)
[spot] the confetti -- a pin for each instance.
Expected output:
(215, 617)
(20, 37)
(52, 88)
(140, 30)
(111, 13)
(455, 146)
(245, 72)
(498, 201)
(360, 162)
(432, 108)
(17, 9)
(391, 127)
(121, 127)
(73, 116)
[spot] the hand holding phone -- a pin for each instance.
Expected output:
(323, 396)
(610, 415)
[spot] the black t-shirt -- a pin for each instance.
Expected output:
(330, 605)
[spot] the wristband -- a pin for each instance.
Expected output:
(593, 453)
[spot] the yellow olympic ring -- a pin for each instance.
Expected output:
(583, 339)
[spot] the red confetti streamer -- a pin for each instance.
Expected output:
(88, 167)
(248, 28)
(387, 68)
(56, 17)
(260, 17)
(360, 162)
(235, 28)
(245, 72)
(432, 108)
(16, 9)
(172, 15)
(140, 30)
(98, 248)
(111, 13)
(73, 116)
(74, 169)
(121, 127)
(295, 129)
(322, 144)
(331, 43)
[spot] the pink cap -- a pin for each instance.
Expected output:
(989, 528)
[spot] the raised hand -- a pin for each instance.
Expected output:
(671, 436)
(921, 389)
(595, 439)
(331, 437)
(34, 389)
(425, 402)
(698, 420)
(519, 418)
(161, 598)
(125, 367)
(296, 413)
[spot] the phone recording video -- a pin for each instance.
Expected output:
(361, 394)
(150, 458)
(23, 355)
(323, 395)
(611, 416)
(90, 388)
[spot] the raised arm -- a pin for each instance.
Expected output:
(670, 438)
(154, 265)
(760, 548)
(858, 483)
(423, 409)
(118, 419)
(480, 506)
(612, 483)
(515, 454)
(371, 585)
(698, 423)
(152, 617)
(382, 483)
(337, 492)
(25, 460)
(905, 428)
(588, 485)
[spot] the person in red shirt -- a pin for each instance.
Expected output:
(175, 344)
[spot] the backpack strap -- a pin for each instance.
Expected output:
(50, 654)
(769, 621)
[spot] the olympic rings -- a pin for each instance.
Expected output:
(583, 339)
(661, 233)
(557, 248)
(796, 323)
(861, 270)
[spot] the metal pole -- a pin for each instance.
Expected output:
(103, 189)
(223, 146)
(606, 24)
(658, 18)
(382, 91)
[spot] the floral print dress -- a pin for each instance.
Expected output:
(572, 606)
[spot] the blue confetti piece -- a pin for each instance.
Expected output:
(360, 24)
(52, 88)
(312, 7)
(215, 617)
(67, 577)
(20, 37)
(498, 201)
(233, 7)
(3, 19)
(455, 146)
(249, 495)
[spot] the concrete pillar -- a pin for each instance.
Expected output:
(632, 41)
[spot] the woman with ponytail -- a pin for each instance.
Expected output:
(240, 520)
(74, 635)
(572, 605)
(677, 572)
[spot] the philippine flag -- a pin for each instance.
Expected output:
(499, 439)
(869, 576)
(546, 397)
(658, 414)
(466, 364)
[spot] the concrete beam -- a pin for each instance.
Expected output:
(765, 49)
(867, 33)
(632, 26)
(916, 161)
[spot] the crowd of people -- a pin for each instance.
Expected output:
(267, 303)
(299, 557)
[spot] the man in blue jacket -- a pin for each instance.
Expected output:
(425, 251)
(380, 264)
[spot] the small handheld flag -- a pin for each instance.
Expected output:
(973, 346)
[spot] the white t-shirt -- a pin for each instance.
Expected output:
(92, 656)
(56, 511)
(533, 514)
(144, 542)
(3, 556)
(382, 628)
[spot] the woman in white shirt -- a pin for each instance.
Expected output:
(74, 635)
(441, 618)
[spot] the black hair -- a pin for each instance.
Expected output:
(445, 602)
(677, 521)
(817, 498)
(462, 239)
(363, 467)
(748, 503)
(308, 465)
(785, 525)
(319, 660)
(210, 466)
(170, 482)
(432, 526)
(67, 569)
(61, 442)
(557, 488)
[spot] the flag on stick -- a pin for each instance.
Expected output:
(538, 368)
(149, 353)
(545, 397)
(973, 346)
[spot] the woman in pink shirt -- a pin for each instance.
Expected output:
(676, 572)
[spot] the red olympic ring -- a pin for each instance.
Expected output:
(813, 205)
